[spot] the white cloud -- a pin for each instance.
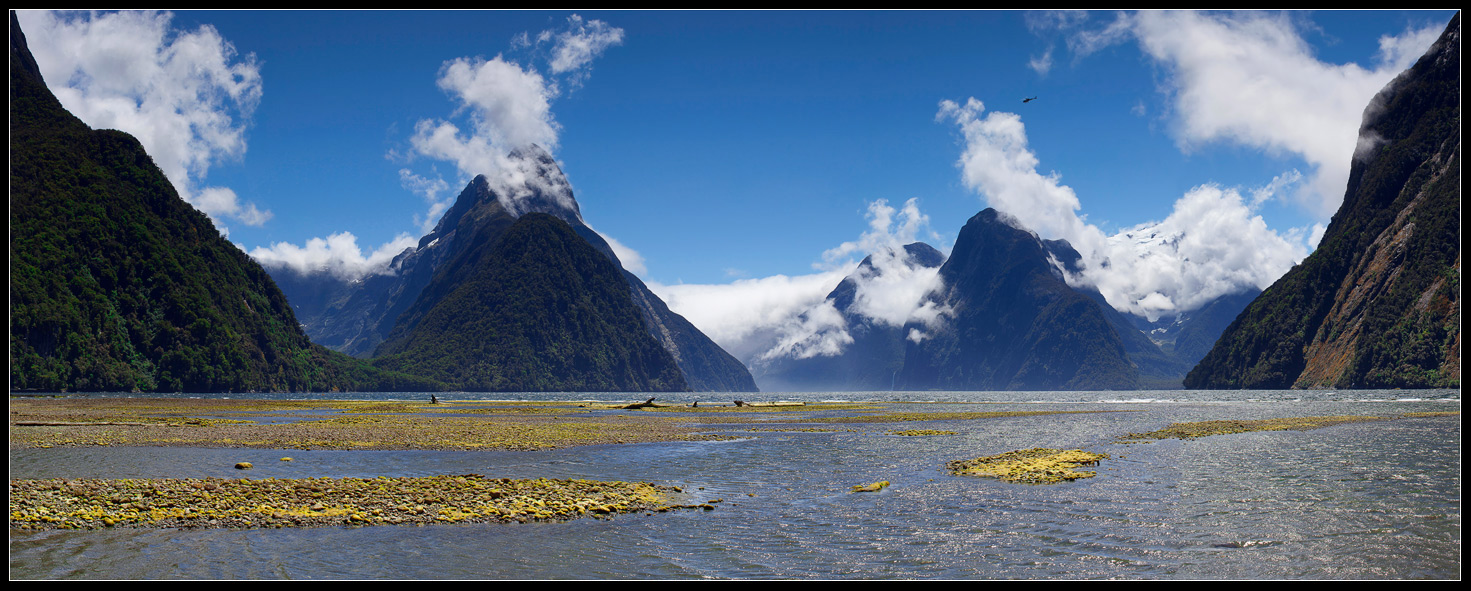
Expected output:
(631, 259)
(1245, 78)
(1279, 184)
(759, 320)
(998, 163)
(507, 106)
(1041, 64)
(577, 46)
(1085, 42)
(429, 189)
(1402, 51)
(186, 96)
(894, 293)
(222, 201)
(748, 317)
(337, 255)
(882, 232)
(817, 331)
(1251, 79)
(510, 106)
(893, 290)
(1212, 244)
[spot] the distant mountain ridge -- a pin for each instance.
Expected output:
(1377, 305)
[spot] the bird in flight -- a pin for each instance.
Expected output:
(1028, 100)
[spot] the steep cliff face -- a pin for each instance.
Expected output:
(1016, 325)
(1377, 304)
(117, 284)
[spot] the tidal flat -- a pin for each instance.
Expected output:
(362, 425)
(571, 489)
(337, 424)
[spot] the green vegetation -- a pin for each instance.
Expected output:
(1381, 292)
(540, 310)
(116, 284)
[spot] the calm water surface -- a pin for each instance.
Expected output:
(1366, 500)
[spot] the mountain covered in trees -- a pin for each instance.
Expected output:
(539, 310)
(117, 284)
(1377, 305)
(360, 317)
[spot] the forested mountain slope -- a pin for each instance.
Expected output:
(1377, 305)
(117, 284)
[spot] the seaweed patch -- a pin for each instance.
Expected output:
(1031, 466)
(307, 502)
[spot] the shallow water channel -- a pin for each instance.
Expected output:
(1363, 500)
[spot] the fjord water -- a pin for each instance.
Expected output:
(1360, 500)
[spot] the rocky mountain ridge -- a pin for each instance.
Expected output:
(1377, 305)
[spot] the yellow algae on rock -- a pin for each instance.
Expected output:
(875, 487)
(1030, 466)
(1229, 427)
(349, 425)
(276, 502)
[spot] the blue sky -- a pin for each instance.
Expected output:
(735, 153)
